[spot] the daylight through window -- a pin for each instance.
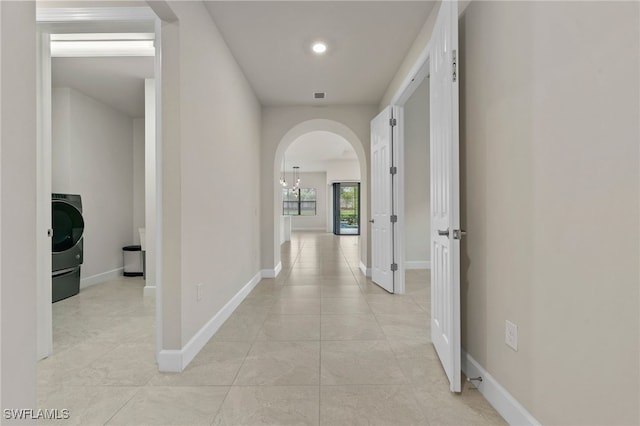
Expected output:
(301, 202)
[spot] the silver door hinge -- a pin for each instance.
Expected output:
(394, 267)
(393, 122)
(394, 218)
(393, 170)
(458, 234)
(455, 67)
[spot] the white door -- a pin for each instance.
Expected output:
(445, 193)
(382, 199)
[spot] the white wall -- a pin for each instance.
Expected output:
(210, 176)
(416, 49)
(343, 171)
(317, 180)
(416, 177)
(17, 206)
(549, 146)
(138, 178)
(92, 155)
(550, 196)
(61, 136)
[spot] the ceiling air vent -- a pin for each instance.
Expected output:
(319, 95)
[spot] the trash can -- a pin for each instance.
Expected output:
(133, 262)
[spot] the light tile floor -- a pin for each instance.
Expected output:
(319, 345)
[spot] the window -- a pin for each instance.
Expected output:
(301, 202)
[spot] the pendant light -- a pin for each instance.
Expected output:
(296, 179)
(283, 177)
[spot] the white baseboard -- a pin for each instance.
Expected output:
(417, 264)
(149, 291)
(271, 273)
(504, 403)
(366, 271)
(309, 229)
(100, 278)
(173, 360)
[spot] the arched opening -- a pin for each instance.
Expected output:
(345, 133)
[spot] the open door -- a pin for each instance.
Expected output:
(346, 208)
(445, 193)
(382, 227)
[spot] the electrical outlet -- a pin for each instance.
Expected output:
(199, 292)
(511, 335)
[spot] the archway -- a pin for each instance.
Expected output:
(345, 132)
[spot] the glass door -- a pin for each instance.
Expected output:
(346, 208)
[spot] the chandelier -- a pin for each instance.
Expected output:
(295, 177)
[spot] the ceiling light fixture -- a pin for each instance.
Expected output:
(102, 44)
(319, 48)
(283, 176)
(296, 179)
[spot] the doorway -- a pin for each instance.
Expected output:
(68, 106)
(438, 63)
(346, 208)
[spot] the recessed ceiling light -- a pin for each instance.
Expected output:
(319, 48)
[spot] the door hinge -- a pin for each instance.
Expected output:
(393, 170)
(394, 267)
(394, 218)
(455, 67)
(393, 122)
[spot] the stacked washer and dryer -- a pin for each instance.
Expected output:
(66, 245)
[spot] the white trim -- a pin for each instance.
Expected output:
(271, 273)
(101, 48)
(366, 271)
(157, 75)
(149, 291)
(303, 229)
(504, 403)
(174, 360)
(417, 264)
(114, 274)
(84, 14)
(170, 360)
(398, 200)
(43, 191)
(413, 78)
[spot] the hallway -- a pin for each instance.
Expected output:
(320, 344)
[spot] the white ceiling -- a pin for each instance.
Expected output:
(313, 151)
(367, 41)
(115, 81)
(271, 41)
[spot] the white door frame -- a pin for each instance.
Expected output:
(97, 19)
(43, 205)
(416, 75)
